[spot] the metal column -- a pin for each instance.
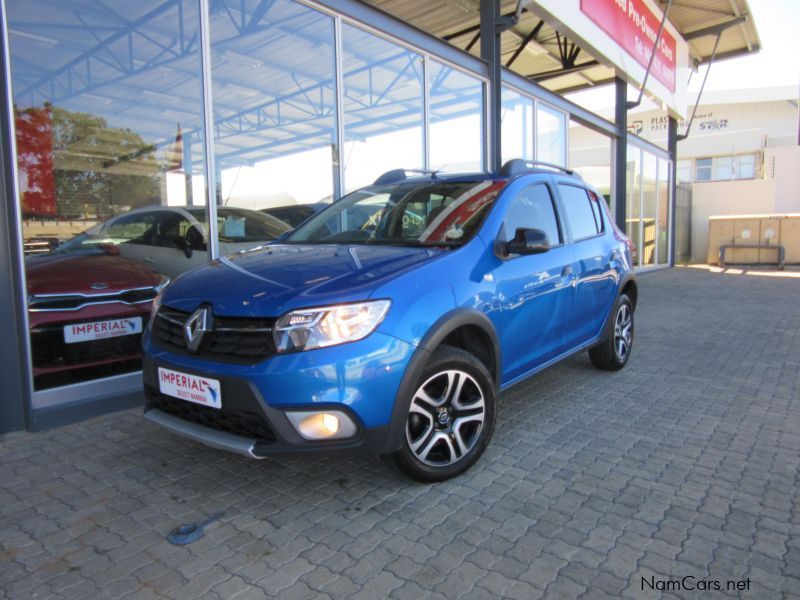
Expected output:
(16, 401)
(490, 52)
(672, 148)
(620, 152)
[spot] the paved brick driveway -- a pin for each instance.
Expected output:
(686, 463)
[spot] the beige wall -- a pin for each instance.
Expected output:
(725, 129)
(746, 197)
(784, 164)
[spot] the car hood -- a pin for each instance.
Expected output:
(76, 274)
(271, 280)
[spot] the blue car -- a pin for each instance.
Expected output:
(389, 322)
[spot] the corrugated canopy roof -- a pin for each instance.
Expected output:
(535, 49)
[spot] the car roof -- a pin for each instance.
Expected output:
(512, 169)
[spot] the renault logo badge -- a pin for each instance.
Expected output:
(196, 327)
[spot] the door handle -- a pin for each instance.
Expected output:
(149, 259)
(568, 271)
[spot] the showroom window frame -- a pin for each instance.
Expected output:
(424, 48)
(660, 154)
(127, 383)
(363, 17)
(13, 209)
(79, 397)
(537, 101)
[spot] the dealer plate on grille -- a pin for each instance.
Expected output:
(200, 390)
(101, 330)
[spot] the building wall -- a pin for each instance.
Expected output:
(720, 129)
(784, 165)
(753, 196)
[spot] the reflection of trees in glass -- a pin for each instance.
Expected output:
(99, 170)
(35, 159)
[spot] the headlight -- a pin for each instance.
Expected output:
(159, 288)
(328, 325)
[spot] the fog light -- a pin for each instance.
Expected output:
(322, 425)
(330, 423)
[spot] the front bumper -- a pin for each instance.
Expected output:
(360, 379)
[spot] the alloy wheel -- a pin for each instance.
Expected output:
(445, 418)
(623, 332)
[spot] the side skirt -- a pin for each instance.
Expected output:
(551, 362)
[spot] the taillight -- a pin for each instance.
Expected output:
(621, 237)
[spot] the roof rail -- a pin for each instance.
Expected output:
(517, 166)
(396, 175)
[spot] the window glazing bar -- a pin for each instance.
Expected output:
(208, 134)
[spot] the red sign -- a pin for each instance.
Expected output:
(634, 27)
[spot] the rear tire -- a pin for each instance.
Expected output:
(450, 419)
(612, 353)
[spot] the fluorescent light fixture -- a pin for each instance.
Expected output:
(49, 42)
(240, 89)
(162, 96)
(247, 61)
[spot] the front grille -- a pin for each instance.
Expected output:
(240, 340)
(50, 350)
(246, 421)
(66, 302)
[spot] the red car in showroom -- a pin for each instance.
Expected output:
(87, 312)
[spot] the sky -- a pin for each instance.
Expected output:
(778, 62)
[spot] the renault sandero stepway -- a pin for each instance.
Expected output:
(389, 322)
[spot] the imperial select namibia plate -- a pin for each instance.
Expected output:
(200, 390)
(100, 330)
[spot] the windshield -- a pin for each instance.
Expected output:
(173, 229)
(432, 213)
(236, 225)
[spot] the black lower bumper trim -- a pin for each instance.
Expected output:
(248, 418)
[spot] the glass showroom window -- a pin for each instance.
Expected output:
(274, 117)
(649, 209)
(456, 119)
(590, 155)
(662, 221)
(108, 122)
(383, 117)
(702, 168)
(551, 135)
(633, 206)
(516, 125)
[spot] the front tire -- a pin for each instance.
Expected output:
(612, 353)
(450, 419)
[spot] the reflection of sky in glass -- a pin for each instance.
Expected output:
(550, 135)
(517, 126)
(456, 109)
(382, 107)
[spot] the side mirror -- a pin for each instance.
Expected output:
(528, 241)
(184, 245)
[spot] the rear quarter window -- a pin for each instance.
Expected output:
(582, 211)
